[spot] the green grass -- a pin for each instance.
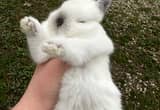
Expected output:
(134, 26)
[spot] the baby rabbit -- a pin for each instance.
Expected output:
(74, 34)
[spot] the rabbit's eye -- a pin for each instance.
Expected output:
(81, 21)
(60, 21)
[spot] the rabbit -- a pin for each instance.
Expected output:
(74, 33)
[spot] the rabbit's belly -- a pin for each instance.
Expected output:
(81, 91)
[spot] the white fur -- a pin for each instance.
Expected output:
(88, 84)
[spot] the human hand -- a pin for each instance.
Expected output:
(43, 89)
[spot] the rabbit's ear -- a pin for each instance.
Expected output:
(104, 4)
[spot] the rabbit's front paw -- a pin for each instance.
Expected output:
(29, 25)
(53, 49)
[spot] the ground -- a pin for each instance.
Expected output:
(133, 25)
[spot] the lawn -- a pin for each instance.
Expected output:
(133, 25)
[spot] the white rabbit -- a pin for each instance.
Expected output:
(73, 33)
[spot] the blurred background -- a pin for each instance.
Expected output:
(133, 25)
